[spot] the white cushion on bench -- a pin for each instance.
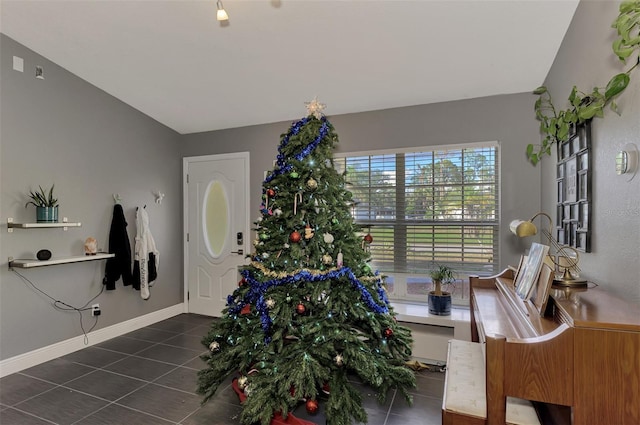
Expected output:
(465, 389)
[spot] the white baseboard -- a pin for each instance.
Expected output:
(62, 348)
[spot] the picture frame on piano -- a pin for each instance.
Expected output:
(528, 276)
(541, 294)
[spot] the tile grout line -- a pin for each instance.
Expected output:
(386, 418)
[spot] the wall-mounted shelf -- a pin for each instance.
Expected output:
(27, 264)
(64, 225)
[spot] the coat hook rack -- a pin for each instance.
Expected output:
(159, 196)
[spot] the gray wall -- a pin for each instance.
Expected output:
(65, 131)
(587, 60)
(91, 145)
(508, 119)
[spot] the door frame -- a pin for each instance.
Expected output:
(185, 208)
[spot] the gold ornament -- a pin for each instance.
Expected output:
(312, 184)
(326, 259)
(308, 232)
(339, 360)
(242, 382)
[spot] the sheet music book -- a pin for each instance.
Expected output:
(530, 270)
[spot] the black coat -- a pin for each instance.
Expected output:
(120, 265)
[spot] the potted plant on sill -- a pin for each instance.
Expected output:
(46, 205)
(440, 301)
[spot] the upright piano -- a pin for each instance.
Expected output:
(579, 364)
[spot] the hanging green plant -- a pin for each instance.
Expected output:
(556, 125)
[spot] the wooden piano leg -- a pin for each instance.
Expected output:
(495, 373)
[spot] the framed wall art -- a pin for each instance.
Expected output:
(573, 182)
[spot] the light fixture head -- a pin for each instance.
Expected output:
(522, 228)
(627, 161)
(222, 14)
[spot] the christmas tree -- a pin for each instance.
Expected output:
(309, 312)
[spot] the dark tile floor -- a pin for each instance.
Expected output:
(149, 377)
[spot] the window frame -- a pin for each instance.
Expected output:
(397, 280)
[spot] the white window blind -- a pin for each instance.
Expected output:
(428, 207)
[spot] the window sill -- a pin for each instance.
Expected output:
(419, 313)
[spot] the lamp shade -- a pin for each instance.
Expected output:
(222, 14)
(522, 228)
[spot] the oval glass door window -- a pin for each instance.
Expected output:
(215, 218)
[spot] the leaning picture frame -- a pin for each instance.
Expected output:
(528, 276)
(541, 294)
(517, 271)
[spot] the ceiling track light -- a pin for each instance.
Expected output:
(222, 14)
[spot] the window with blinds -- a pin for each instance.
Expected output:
(426, 207)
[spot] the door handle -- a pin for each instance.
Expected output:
(239, 252)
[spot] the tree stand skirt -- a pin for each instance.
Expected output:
(277, 418)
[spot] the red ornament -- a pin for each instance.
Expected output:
(312, 407)
(388, 333)
(368, 238)
(271, 193)
(295, 237)
(242, 282)
(300, 308)
(246, 309)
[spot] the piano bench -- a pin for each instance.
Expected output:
(464, 401)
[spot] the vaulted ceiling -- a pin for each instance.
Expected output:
(174, 62)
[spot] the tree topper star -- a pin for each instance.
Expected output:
(315, 108)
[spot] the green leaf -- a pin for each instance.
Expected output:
(620, 51)
(534, 159)
(563, 131)
(586, 113)
(570, 117)
(540, 90)
(628, 5)
(572, 96)
(614, 107)
(616, 85)
(622, 24)
(529, 150)
(536, 105)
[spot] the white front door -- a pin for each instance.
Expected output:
(216, 214)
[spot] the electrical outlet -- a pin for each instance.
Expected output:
(95, 310)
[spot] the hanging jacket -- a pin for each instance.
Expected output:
(147, 257)
(120, 265)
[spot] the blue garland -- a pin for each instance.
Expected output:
(257, 290)
(281, 165)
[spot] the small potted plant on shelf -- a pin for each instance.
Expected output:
(46, 205)
(440, 301)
